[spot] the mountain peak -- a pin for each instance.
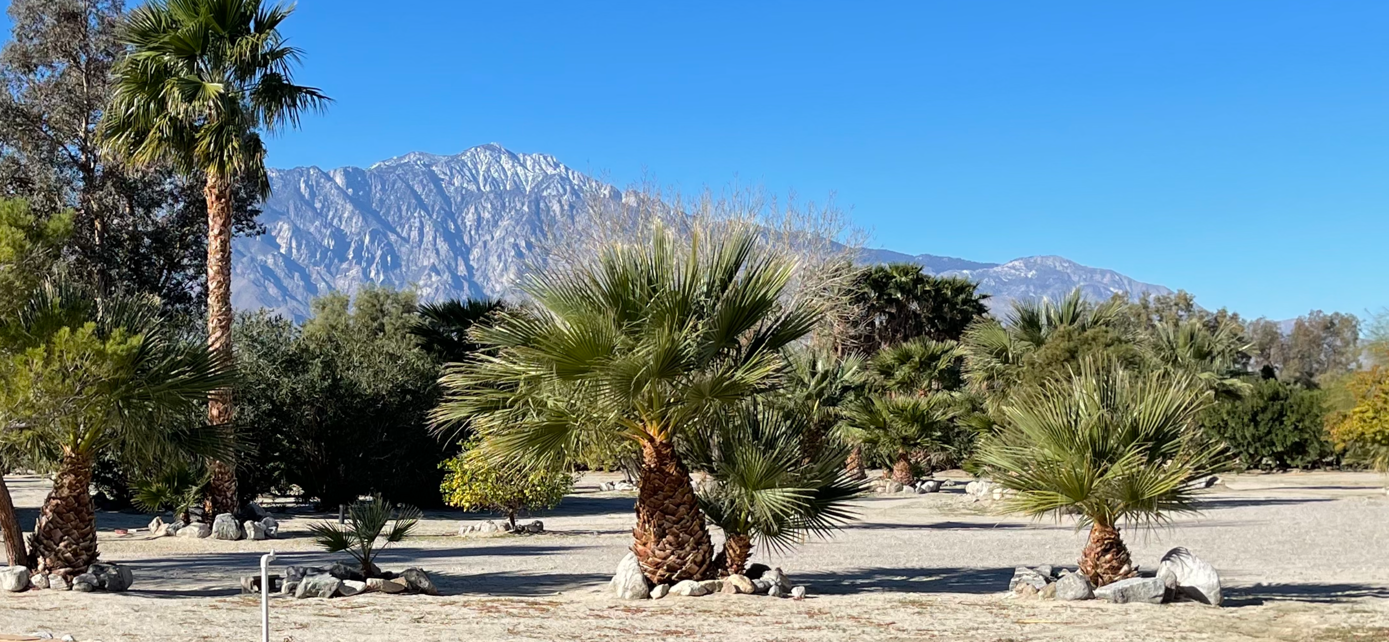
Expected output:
(466, 225)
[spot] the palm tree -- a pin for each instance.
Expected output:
(900, 302)
(86, 375)
(202, 79)
(1210, 350)
(1109, 445)
(819, 386)
(896, 427)
(644, 344)
(763, 488)
(443, 327)
(361, 536)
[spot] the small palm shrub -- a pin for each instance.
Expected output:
(366, 520)
(177, 489)
(1109, 445)
(764, 490)
(477, 482)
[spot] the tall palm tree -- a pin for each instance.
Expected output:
(1211, 350)
(85, 375)
(763, 489)
(899, 302)
(202, 80)
(647, 343)
(1109, 445)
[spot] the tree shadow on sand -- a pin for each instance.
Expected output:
(975, 581)
(1314, 593)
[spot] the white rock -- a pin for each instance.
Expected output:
(798, 593)
(688, 588)
(1073, 586)
(352, 587)
(628, 583)
(197, 530)
(1190, 576)
(271, 526)
(385, 586)
(158, 528)
(660, 591)
(712, 586)
(224, 527)
(892, 487)
(1150, 590)
(254, 531)
(14, 579)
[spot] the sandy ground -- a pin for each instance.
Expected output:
(1305, 556)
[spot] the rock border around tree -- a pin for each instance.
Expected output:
(1181, 576)
(629, 583)
(340, 581)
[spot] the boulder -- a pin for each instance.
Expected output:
(761, 587)
(113, 578)
(756, 571)
(196, 530)
(892, 487)
(225, 527)
(85, 583)
(296, 573)
(712, 586)
(352, 587)
(271, 526)
(171, 529)
(39, 581)
(255, 513)
(778, 579)
(254, 531)
(385, 585)
(536, 526)
(14, 579)
(1072, 587)
(777, 591)
(1188, 576)
(928, 486)
(628, 583)
(688, 588)
(157, 527)
(738, 584)
(322, 585)
(417, 581)
(345, 572)
(1026, 590)
(251, 583)
(1148, 590)
(1024, 575)
(798, 593)
(659, 591)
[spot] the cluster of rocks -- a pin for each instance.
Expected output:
(224, 527)
(621, 484)
(920, 487)
(341, 580)
(101, 576)
(629, 583)
(984, 490)
(491, 527)
(1180, 576)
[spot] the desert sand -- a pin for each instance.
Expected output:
(1304, 556)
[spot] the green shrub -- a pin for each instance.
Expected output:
(474, 482)
(1275, 425)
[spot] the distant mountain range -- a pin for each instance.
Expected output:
(464, 225)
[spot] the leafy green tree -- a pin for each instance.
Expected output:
(1275, 425)
(645, 343)
(366, 521)
(1317, 347)
(1362, 431)
(764, 490)
(82, 375)
(476, 482)
(203, 78)
(140, 231)
(335, 406)
(899, 302)
(1111, 446)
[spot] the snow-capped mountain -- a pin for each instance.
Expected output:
(465, 225)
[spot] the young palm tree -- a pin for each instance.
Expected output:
(1107, 444)
(896, 427)
(443, 327)
(820, 386)
(366, 520)
(764, 490)
(1209, 351)
(85, 375)
(645, 344)
(203, 78)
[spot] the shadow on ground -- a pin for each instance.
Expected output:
(1315, 593)
(908, 580)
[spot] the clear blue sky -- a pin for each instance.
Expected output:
(1239, 150)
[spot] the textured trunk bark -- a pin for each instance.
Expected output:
(670, 539)
(65, 537)
(1105, 559)
(218, 192)
(737, 550)
(854, 465)
(902, 469)
(9, 527)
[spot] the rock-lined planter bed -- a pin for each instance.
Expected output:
(628, 583)
(223, 527)
(919, 487)
(102, 576)
(340, 580)
(1181, 576)
(491, 527)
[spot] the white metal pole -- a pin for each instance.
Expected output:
(265, 561)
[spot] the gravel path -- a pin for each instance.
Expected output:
(1303, 556)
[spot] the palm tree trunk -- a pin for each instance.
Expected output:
(671, 541)
(902, 469)
(737, 550)
(218, 192)
(9, 527)
(854, 465)
(65, 537)
(1105, 559)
